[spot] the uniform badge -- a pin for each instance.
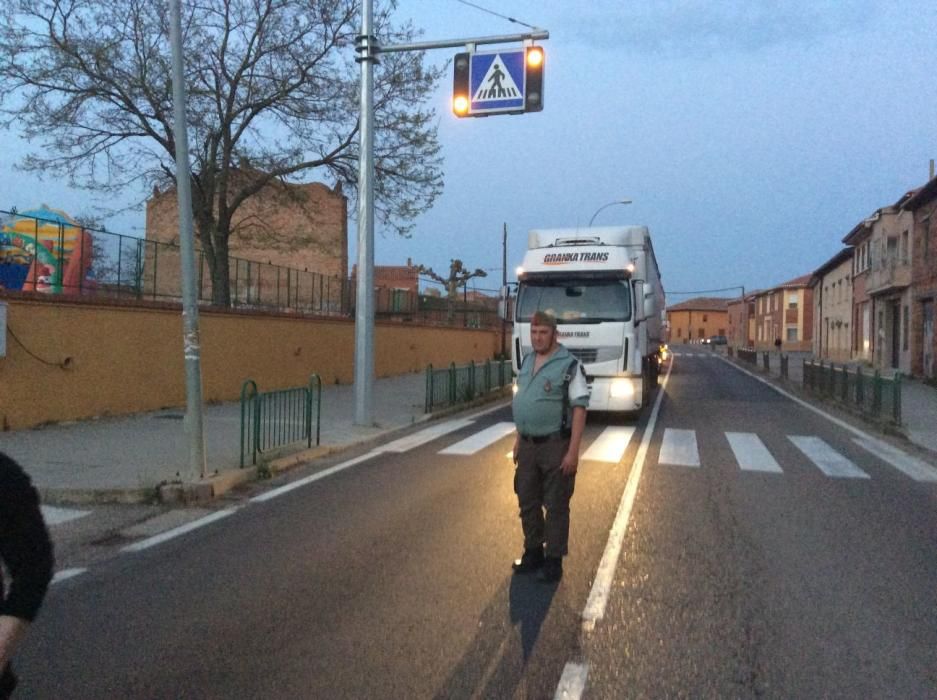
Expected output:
(547, 387)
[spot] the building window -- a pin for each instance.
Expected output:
(904, 247)
(905, 323)
(792, 301)
(792, 334)
(705, 318)
(701, 333)
(679, 332)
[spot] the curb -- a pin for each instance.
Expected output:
(201, 492)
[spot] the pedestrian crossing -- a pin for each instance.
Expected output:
(680, 447)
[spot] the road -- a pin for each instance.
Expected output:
(768, 554)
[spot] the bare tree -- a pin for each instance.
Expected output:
(458, 277)
(272, 95)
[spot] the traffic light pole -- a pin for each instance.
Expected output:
(368, 49)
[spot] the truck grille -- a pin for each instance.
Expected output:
(584, 354)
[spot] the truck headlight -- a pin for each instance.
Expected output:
(621, 388)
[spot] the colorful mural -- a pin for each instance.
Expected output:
(44, 250)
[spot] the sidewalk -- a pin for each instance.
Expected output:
(126, 459)
(918, 400)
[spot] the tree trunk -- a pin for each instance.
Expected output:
(219, 267)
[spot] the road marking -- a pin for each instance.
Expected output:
(679, 448)
(751, 453)
(56, 516)
(828, 460)
(602, 584)
(423, 436)
(610, 445)
(479, 440)
(299, 483)
(917, 469)
(177, 531)
(66, 574)
(572, 682)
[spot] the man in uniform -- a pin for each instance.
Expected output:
(550, 414)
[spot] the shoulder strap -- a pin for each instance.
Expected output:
(567, 378)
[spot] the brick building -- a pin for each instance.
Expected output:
(785, 312)
(741, 316)
(696, 319)
(303, 227)
(922, 205)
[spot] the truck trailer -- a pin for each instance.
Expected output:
(604, 288)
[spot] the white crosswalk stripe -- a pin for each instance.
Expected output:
(828, 460)
(610, 445)
(751, 453)
(480, 440)
(423, 436)
(917, 469)
(679, 448)
(54, 515)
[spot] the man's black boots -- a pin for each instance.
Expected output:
(552, 570)
(531, 560)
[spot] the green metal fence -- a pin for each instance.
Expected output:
(273, 419)
(454, 385)
(872, 394)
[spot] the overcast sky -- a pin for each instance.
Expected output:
(751, 136)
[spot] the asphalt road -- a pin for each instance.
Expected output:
(391, 578)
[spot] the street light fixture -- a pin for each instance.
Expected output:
(606, 206)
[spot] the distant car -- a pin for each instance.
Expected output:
(717, 340)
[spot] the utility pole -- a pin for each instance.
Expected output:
(190, 339)
(504, 284)
(368, 48)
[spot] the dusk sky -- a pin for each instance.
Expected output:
(751, 136)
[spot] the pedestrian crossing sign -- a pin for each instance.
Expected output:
(497, 81)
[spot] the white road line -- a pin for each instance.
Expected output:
(572, 682)
(177, 531)
(751, 453)
(299, 483)
(56, 516)
(917, 469)
(679, 448)
(828, 460)
(66, 574)
(602, 584)
(423, 436)
(479, 440)
(610, 445)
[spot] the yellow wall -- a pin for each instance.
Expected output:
(683, 323)
(112, 359)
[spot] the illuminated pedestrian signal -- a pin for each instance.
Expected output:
(533, 89)
(506, 81)
(460, 84)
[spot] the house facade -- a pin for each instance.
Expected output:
(922, 206)
(741, 316)
(785, 312)
(694, 320)
(832, 304)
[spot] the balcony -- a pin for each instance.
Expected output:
(890, 274)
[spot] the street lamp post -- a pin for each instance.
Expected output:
(606, 206)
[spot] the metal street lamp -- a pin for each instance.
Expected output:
(606, 206)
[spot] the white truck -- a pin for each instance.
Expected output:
(603, 286)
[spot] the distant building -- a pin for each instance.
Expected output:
(922, 205)
(397, 287)
(741, 315)
(882, 289)
(832, 304)
(696, 319)
(785, 312)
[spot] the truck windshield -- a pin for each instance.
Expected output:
(581, 301)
